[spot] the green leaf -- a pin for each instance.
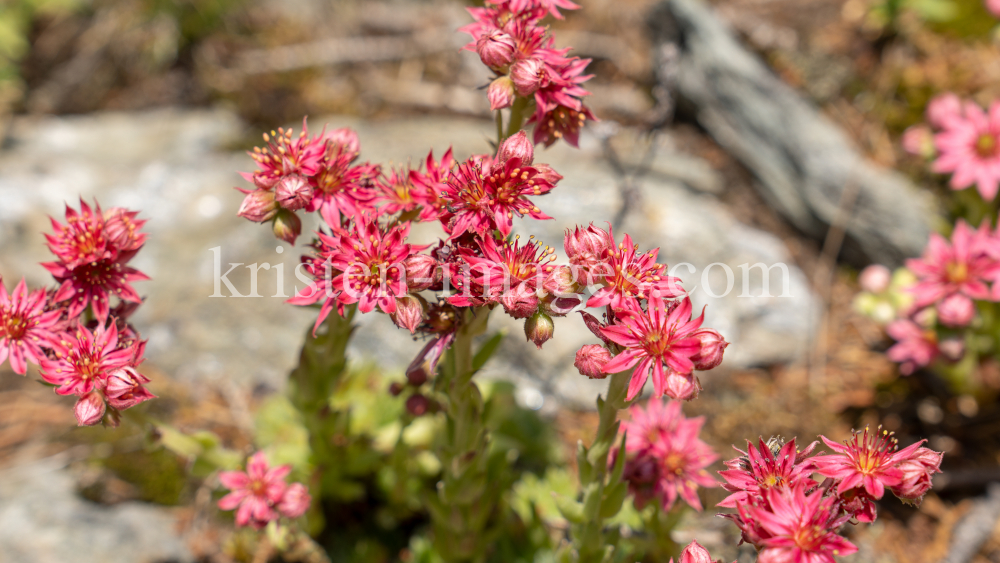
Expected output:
(487, 350)
(570, 509)
(614, 497)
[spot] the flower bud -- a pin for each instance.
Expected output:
(89, 409)
(417, 404)
(496, 49)
(293, 192)
(917, 471)
(919, 140)
(547, 173)
(516, 146)
(122, 229)
(501, 93)
(409, 312)
(560, 281)
(956, 310)
(395, 388)
(520, 301)
(258, 206)
(587, 249)
(343, 140)
(681, 387)
(287, 226)
(875, 278)
(539, 328)
(712, 347)
(421, 271)
(695, 553)
(590, 360)
(125, 388)
(943, 109)
(528, 76)
(295, 501)
(952, 348)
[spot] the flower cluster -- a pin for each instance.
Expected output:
(82, 345)
(947, 281)
(664, 457)
(788, 516)
(260, 494)
(963, 139)
(509, 39)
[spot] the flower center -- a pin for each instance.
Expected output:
(986, 145)
(957, 272)
(15, 327)
(673, 463)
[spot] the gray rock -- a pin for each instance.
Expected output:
(43, 521)
(803, 161)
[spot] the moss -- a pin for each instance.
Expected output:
(158, 475)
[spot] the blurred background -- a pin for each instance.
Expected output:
(151, 104)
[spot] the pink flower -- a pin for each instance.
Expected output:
(628, 276)
(868, 460)
(528, 75)
(340, 189)
(87, 360)
(485, 194)
(508, 272)
(295, 502)
(25, 326)
(802, 528)
(919, 140)
(591, 359)
(395, 191)
(83, 239)
(970, 150)
(915, 346)
(428, 186)
(662, 335)
(761, 468)
(123, 230)
(256, 493)
(666, 459)
(965, 266)
(956, 310)
(994, 7)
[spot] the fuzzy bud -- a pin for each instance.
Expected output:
(528, 76)
(590, 360)
(587, 249)
(295, 501)
(421, 272)
(712, 347)
(409, 312)
(293, 192)
(259, 206)
(501, 93)
(287, 226)
(956, 310)
(516, 146)
(560, 281)
(89, 409)
(919, 140)
(539, 328)
(520, 301)
(875, 278)
(681, 387)
(496, 49)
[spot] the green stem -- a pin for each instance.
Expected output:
(518, 114)
(464, 505)
(603, 492)
(500, 135)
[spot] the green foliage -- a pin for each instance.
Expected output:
(961, 18)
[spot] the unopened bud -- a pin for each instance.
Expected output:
(591, 359)
(919, 140)
(520, 301)
(712, 347)
(395, 388)
(344, 140)
(409, 312)
(681, 387)
(287, 226)
(528, 76)
(259, 206)
(496, 49)
(89, 409)
(417, 404)
(421, 271)
(293, 192)
(516, 146)
(875, 278)
(501, 93)
(539, 328)
(956, 310)
(295, 501)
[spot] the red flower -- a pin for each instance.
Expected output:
(628, 276)
(801, 528)
(428, 186)
(286, 154)
(342, 189)
(662, 335)
(25, 326)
